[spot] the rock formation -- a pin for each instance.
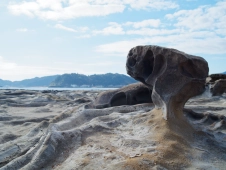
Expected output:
(121, 129)
(217, 84)
(214, 77)
(219, 87)
(136, 93)
(174, 76)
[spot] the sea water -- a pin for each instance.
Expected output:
(50, 88)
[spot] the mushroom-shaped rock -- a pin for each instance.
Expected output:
(174, 76)
(136, 93)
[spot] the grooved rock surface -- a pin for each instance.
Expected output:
(65, 135)
(174, 76)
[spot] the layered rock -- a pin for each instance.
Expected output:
(174, 76)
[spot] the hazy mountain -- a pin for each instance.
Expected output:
(5, 82)
(73, 80)
(33, 82)
(104, 80)
(224, 72)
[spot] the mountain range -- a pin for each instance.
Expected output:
(33, 82)
(96, 80)
(72, 80)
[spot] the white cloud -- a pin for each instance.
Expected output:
(83, 29)
(120, 48)
(79, 29)
(13, 71)
(202, 18)
(209, 43)
(5, 65)
(151, 32)
(68, 9)
(60, 26)
(201, 30)
(144, 23)
(22, 30)
(83, 36)
(63, 9)
(152, 4)
(113, 28)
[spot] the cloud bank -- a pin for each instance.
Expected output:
(69, 9)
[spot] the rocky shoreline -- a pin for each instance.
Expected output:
(71, 137)
(174, 119)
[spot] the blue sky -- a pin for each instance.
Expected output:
(48, 37)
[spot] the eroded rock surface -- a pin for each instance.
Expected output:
(115, 131)
(217, 84)
(215, 77)
(207, 113)
(219, 87)
(136, 93)
(65, 135)
(174, 76)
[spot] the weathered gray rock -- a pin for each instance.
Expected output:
(215, 77)
(217, 84)
(174, 76)
(136, 93)
(219, 87)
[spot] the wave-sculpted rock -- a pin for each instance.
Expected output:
(217, 83)
(132, 94)
(174, 75)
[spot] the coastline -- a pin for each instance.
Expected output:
(54, 130)
(53, 88)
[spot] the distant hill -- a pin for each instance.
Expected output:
(96, 80)
(224, 72)
(34, 82)
(73, 80)
(5, 82)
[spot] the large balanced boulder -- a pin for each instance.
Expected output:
(132, 94)
(174, 76)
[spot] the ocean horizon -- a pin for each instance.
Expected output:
(52, 88)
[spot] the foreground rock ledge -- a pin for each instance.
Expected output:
(174, 76)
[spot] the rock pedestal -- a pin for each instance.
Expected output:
(174, 76)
